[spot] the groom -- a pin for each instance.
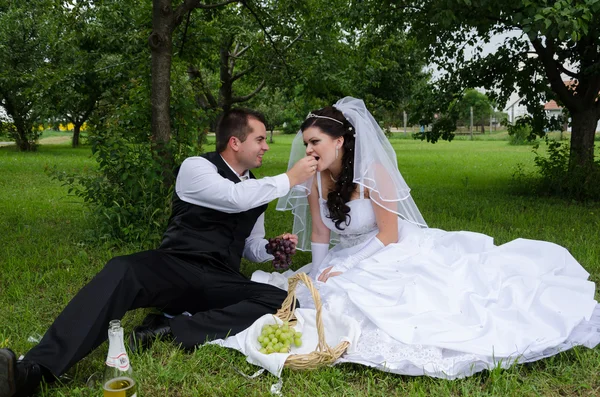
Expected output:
(217, 218)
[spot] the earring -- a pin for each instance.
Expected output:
(337, 152)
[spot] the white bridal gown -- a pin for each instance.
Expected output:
(449, 304)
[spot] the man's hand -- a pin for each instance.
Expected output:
(289, 236)
(327, 273)
(302, 170)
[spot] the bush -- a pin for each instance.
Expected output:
(6, 130)
(127, 195)
(559, 178)
(519, 134)
(131, 191)
(556, 177)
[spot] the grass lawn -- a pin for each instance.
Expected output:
(461, 185)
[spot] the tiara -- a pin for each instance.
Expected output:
(311, 115)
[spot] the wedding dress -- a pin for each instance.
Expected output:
(450, 304)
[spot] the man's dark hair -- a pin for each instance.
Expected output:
(234, 122)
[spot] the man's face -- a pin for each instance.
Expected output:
(251, 151)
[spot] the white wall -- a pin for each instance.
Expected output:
(514, 108)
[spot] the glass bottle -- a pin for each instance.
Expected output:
(118, 374)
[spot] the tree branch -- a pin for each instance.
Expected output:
(552, 48)
(287, 47)
(187, 24)
(262, 26)
(566, 71)
(189, 5)
(230, 56)
(237, 45)
(240, 74)
(210, 97)
(237, 54)
(556, 82)
(226, 68)
(246, 97)
(196, 74)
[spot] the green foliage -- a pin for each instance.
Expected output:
(436, 108)
(561, 177)
(88, 58)
(557, 176)
(481, 105)
(26, 31)
(442, 127)
(127, 193)
(520, 132)
(231, 55)
(564, 35)
(292, 126)
(128, 197)
(7, 129)
(273, 104)
(388, 72)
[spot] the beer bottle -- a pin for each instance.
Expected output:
(118, 378)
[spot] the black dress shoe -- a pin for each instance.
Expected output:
(18, 378)
(154, 326)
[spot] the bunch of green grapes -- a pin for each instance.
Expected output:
(278, 338)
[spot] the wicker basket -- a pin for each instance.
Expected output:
(324, 354)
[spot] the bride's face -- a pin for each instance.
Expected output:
(322, 147)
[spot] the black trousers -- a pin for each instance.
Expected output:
(223, 300)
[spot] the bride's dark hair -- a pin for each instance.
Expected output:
(344, 187)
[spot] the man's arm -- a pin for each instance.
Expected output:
(199, 183)
(254, 249)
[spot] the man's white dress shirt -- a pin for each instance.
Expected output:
(199, 183)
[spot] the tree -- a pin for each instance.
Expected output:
(481, 105)
(25, 32)
(84, 59)
(165, 19)
(233, 54)
(553, 39)
(274, 105)
(389, 72)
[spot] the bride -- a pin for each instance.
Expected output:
(429, 302)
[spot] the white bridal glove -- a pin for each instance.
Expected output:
(319, 252)
(368, 250)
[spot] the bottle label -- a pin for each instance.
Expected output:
(121, 361)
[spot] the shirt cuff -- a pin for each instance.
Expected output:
(282, 181)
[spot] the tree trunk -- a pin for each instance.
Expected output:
(76, 130)
(582, 139)
(22, 140)
(225, 73)
(160, 42)
(23, 135)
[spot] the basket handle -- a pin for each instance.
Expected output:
(288, 307)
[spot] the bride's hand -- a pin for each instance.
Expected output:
(327, 273)
(289, 236)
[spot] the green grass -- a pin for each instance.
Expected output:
(461, 185)
(50, 136)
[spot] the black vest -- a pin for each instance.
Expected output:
(193, 228)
